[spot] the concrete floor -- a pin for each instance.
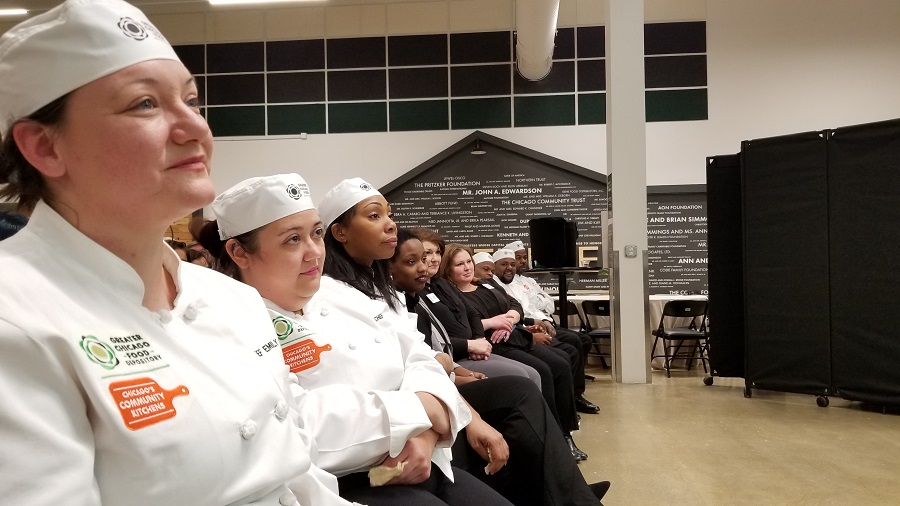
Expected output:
(677, 441)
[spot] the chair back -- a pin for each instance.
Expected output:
(595, 307)
(686, 309)
(571, 312)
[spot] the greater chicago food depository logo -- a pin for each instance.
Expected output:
(297, 191)
(365, 187)
(99, 352)
(283, 327)
(133, 29)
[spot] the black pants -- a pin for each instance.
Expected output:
(556, 380)
(540, 470)
(583, 341)
(572, 343)
(437, 490)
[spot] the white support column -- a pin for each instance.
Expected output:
(626, 144)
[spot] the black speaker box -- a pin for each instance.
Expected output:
(553, 242)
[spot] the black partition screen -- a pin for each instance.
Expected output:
(785, 209)
(863, 176)
(726, 267)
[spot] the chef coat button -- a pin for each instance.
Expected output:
(190, 312)
(248, 429)
(294, 378)
(281, 410)
(287, 499)
(323, 312)
(377, 339)
(165, 316)
(351, 346)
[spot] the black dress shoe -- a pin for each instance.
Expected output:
(578, 454)
(599, 489)
(586, 406)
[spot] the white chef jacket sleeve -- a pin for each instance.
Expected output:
(424, 374)
(353, 428)
(46, 442)
(543, 301)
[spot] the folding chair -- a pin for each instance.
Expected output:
(571, 312)
(598, 308)
(692, 333)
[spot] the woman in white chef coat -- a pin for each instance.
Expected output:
(127, 376)
(373, 395)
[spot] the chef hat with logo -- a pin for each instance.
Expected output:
(500, 254)
(54, 53)
(515, 246)
(258, 201)
(345, 195)
(481, 257)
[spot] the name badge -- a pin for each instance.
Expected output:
(489, 287)
(433, 298)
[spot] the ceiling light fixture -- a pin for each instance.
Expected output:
(248, 2)
(477, 150)
(13, 12)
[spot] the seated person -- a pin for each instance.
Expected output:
(484, 265)
(127, 376)
(373, 395)
(562, 338)
(470, 348)
(500, 315)
(179, 248)
(540, 469)
(197, 258)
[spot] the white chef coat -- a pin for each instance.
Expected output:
(540, 299)
(379, 351)
(107, 402)
(354, 428)
(532, 299)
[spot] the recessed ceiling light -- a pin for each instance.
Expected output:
(13, 12)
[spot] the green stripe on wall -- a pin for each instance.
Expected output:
(677, 105)
(235, 121)
(295, 119)
(552, 110)
(592, 108)
(360, 117)
(419, 115)
(481, 113)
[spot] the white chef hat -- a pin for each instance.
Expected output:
(500, 254)
(345, 195)
(515, 246)
(481, 256)
(49, 55)
(259, 201)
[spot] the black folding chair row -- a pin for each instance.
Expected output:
(694, 335)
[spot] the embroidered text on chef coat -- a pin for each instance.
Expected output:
(299, 350)
(134, 352)
(143, 402)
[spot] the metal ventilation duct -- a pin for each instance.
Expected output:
(535, 30)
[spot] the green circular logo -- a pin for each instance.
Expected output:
(99, 352)
(283, 327)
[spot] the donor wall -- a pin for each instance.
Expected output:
(486, 200)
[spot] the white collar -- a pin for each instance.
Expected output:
(85, 257)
